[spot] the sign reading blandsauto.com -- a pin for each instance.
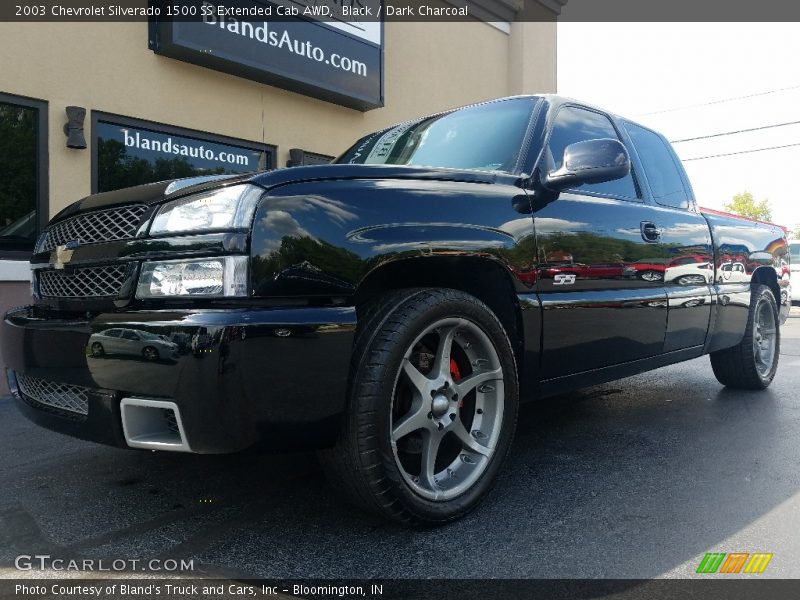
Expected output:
(129, 155)
(340, 62)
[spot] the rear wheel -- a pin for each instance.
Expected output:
(97, 349)
(150, 353)
(432, 407)
(753, 362)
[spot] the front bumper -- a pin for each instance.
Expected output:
(239, 376)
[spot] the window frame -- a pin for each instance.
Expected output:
(42, 168)
(687, 190)
(622, 138)
(163, 128)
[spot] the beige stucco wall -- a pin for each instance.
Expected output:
(109, 68)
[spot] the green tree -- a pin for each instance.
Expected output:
(744, 204)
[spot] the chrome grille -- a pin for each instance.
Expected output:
(88, 282)
(62, 396)
(96, 226)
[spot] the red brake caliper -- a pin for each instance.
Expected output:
(456, 375)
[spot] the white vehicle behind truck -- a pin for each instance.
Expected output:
(794, 252)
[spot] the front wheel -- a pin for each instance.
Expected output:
(151, 354)
(432, 406)
(753, 362)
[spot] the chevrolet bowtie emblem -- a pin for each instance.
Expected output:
(62, 255)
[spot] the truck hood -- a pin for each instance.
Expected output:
(154, 193)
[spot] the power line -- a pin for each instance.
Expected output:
(722, 101)
(741, 152)
(713, 135)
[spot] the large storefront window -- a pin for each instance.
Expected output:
(21, 181)
(130, 152)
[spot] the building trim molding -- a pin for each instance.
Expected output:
(553, 5)
(15, 270)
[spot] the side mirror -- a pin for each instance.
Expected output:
(591, 161)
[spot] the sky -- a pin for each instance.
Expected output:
(687, 80)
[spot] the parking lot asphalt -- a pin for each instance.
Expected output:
(638, 478)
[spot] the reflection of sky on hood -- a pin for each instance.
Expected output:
(431, 245)
(279, 221)
(281, 224)
(335, 210)
(369, 235)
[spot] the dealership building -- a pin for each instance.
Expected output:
(89, 107)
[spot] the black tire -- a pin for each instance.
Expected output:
(150, 353)
(739, 366)
(365, 463)
(98, 350)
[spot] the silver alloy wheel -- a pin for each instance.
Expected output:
(445, 426)
(651, 276)
(764, 337)
(691, 280)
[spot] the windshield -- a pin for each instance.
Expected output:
(487, 137)
(795, 252)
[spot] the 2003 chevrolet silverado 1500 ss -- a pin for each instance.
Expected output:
(391, 309)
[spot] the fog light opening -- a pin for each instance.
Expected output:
(153, 425)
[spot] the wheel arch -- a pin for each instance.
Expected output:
(484, 278)
(767, 276)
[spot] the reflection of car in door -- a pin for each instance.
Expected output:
(687, 270)
(144, 344)
(579, 270)
(648, 270)
(731, 271)
(690, 270)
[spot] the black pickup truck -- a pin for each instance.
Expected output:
(392, 309)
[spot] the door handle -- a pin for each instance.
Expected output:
(650, 233)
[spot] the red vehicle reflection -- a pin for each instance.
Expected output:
(685, 270)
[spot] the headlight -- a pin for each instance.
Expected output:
(223, 276)
(224, 208)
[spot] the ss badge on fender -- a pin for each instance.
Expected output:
(564, 279)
